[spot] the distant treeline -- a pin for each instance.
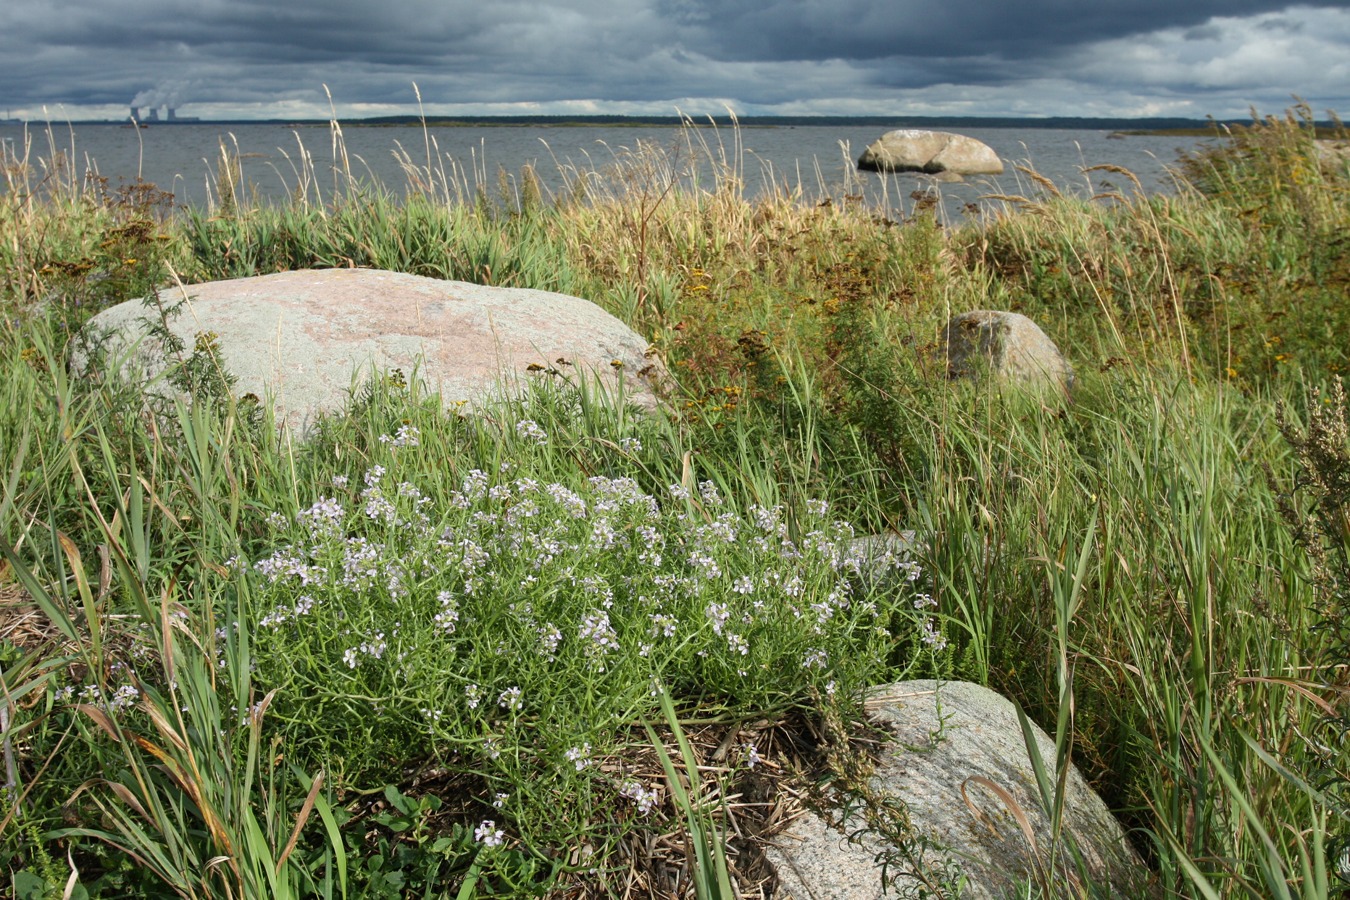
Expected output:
(1124, 126)
(925, 122)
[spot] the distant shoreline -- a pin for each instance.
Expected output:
(1324, 131)
(1125, 127)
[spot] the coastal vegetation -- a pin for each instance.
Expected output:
(562, 647)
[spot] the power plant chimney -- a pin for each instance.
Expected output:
(135, 114)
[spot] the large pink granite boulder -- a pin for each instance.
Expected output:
(302, 337)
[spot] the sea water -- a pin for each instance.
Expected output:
(276, 162)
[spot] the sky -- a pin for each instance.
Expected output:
(243, 59)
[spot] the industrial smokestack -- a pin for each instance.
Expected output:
(135, 114)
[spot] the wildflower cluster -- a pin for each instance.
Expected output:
(504, 606)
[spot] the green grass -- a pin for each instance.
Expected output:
(416, 653)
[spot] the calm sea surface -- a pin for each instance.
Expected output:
(818, 160)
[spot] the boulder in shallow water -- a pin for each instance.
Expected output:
(930, 153)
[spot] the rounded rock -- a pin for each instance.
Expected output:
(303, 337)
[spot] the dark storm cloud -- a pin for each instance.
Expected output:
(87, 53)
(96, 51)
(867, 29)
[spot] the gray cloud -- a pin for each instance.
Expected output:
(260, 58)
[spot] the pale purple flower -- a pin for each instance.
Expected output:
(448, 618)
(932, 637)
(597, 635)
(549, 638)
(568, 499)
(580, 756)
(642, 797)
(718, 614)
(663, 625)
(814, 659)
(324, 516)
(708, 491)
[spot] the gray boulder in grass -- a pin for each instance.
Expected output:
(301, 336)
(930, 153)
(959, 763)
(1008, 346)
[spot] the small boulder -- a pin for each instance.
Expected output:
(302, 336)
(1333, 156)
(931, 153)
(960, 765)
(1007, 345)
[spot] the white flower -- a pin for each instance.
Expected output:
(530, 430)
(510, 699)
(406, 437)
(580, 756)
(488, 834)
